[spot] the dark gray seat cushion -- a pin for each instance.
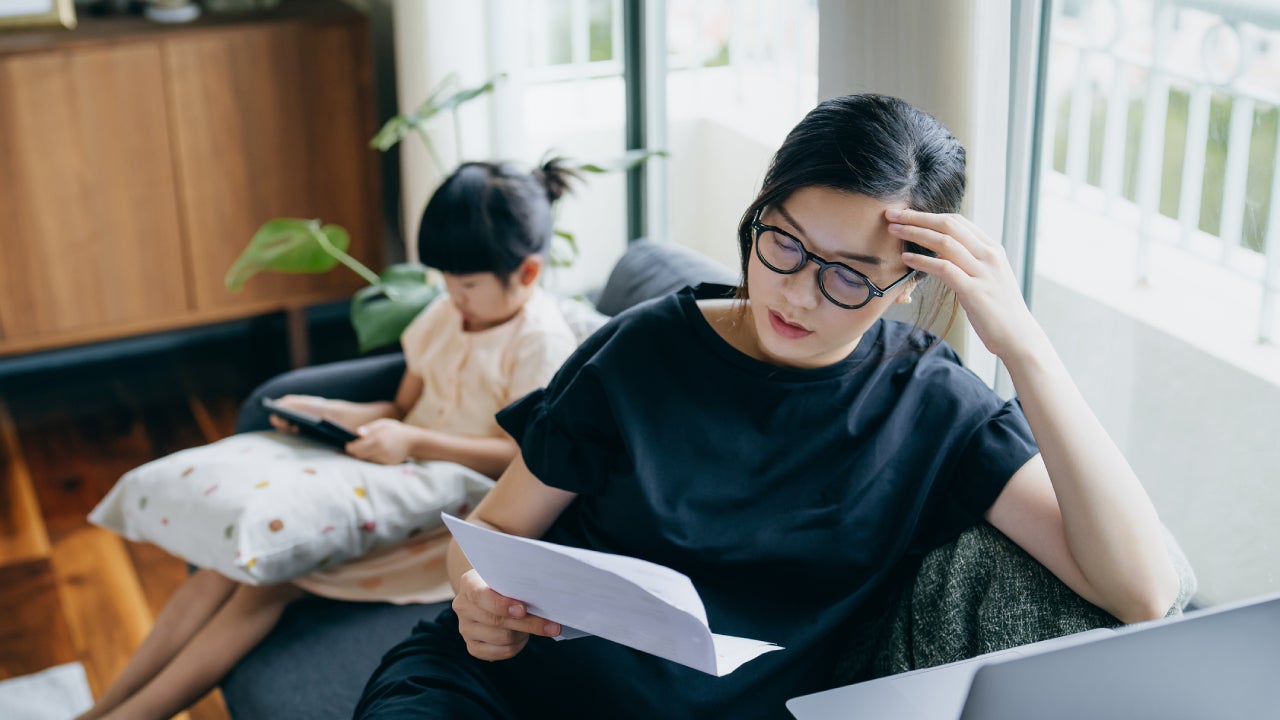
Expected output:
(651, 269)
(315, 662)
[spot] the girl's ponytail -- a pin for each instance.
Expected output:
(555, 177)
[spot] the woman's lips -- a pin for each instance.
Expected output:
(786, 329)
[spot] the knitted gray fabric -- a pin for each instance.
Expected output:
(979, 594)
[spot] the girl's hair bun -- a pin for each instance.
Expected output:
(556, 177)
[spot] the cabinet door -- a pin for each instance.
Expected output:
(257, 128)
(90, 234)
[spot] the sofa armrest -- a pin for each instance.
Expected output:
(362, 380)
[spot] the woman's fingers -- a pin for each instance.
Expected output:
(482, 632)
(944, 269)
(498, 610)
(946, 246)
(952, 236)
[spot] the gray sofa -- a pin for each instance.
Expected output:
(976, 595)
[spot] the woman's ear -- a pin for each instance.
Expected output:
(904, 298)
(529, 270)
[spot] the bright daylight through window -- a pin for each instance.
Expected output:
(1158, 259)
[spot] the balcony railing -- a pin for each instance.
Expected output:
(1115, 119)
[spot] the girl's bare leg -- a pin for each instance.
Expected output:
(195, 601)
(237, 627)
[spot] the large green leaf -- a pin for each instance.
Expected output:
(626, 161)
(392, 132)
(288, 245)
(395, 129)
(381, 312)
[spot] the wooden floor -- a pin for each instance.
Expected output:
(70, 591)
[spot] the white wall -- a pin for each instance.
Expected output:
(715, 172)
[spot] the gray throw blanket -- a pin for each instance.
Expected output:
(979, 594)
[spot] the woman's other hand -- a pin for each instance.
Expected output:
(978, 271)
(494, 626)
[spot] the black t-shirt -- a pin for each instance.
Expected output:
(787, 495)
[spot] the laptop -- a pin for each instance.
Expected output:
(1221, 663)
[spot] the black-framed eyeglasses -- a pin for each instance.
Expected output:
(845, 287)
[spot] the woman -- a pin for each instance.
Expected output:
(788, 449)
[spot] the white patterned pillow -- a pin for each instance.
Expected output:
(267, 507)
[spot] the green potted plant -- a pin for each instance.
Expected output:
(381, 311)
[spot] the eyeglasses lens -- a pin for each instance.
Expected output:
(785, 255)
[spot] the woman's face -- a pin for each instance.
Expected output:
(794, 323)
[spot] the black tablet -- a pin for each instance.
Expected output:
(316, 428)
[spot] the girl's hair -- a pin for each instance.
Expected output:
(489, 217)
(871, 145)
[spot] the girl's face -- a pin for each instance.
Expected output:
(794, 324)
(484, 301)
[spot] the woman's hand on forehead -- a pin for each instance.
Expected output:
(977, 270)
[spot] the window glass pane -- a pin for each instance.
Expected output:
(601, 30)
(572, 102)
(740, 75)
(1158, 260)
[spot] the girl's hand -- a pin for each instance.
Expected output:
(385, 441)
(495, 626)
(978, 271)
(309, 404)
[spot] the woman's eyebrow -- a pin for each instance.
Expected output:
(842, 255)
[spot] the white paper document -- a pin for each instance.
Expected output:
(636, 603)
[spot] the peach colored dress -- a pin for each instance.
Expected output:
(467, 377)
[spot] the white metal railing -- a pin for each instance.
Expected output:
(1182, 51)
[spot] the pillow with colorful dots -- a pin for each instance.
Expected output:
(267, 507)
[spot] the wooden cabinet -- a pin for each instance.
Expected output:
(137, 160)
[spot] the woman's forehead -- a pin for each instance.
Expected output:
(838, 222)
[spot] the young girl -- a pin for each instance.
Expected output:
(788, 449)
(494, 338)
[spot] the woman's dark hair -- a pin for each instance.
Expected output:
(489, 217)
(871, 145)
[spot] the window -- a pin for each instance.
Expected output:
(1157, 266)
(739, 76)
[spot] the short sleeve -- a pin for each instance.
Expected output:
(568, 432)
(996, 449)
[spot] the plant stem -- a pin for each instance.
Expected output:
(431, 149)
(356, 266)
(457, 135)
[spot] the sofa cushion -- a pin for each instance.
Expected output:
(651, 269)
(315, 662)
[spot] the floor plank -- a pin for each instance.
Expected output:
(68, 590)
(105, 608)
(22, 533)
(33, 634)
